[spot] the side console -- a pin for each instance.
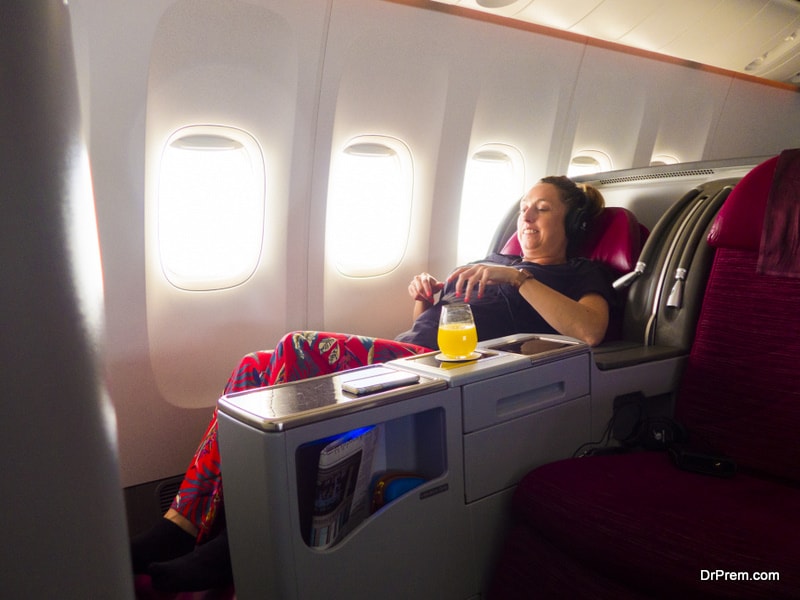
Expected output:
(469, 430)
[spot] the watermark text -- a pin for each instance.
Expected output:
(722, 575)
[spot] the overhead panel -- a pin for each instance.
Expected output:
(722, 36)
(779, 56)
(557, 13)
(754, 37)
(612, 19)
(669, 21)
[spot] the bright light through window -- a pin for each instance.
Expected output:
(663, 159)
(493, 180)
(369, 209)
(210, 207)
(586, 162)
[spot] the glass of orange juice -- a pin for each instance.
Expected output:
(457, 337)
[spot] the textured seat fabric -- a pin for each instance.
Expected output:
(740, 393)
(634, 525)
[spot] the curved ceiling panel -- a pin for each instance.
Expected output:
(760, 38)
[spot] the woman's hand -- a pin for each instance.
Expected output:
(469, 277)
(424, 287)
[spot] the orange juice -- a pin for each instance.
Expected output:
(457, 340)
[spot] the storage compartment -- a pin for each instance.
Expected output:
(519, 420)
(497, 457)
(413, 443)
(270, 469)
(507, 397)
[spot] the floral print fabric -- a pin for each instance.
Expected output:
(297, 356)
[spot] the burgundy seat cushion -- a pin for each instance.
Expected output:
(741, 391)
(639, 520)
(533, 567)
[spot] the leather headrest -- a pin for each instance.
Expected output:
(512, 247)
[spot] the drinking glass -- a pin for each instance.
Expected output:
(457, 337)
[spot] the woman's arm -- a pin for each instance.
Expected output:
(585, 319)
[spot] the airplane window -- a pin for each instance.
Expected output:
(663, 159)
(211, 197)
(369, 209)
(493, 180)
(586, 162)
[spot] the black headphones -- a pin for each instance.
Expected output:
(576, 223)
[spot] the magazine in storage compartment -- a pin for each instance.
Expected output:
(341, 496)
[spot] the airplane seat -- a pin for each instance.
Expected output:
(635, 525)
(615, 239)
(665, 289)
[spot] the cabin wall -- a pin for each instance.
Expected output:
(303, 78)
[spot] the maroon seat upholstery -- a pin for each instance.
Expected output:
(635, 526)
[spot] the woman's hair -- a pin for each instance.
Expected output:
(584, 203)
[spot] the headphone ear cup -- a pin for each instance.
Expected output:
(575, 224)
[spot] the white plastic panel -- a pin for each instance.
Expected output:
(746, 127)
(191, 83)
(557, 13)
(383, 78)
(237, 63)
(665, 23)
(660, 108)
(612, 19)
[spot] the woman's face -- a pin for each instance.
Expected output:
(540, 225)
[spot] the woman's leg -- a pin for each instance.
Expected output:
(196, 505)
(194, 509)
(298, 355)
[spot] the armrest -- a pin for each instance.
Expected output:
(615, 355)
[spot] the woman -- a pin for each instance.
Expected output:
(544, 290)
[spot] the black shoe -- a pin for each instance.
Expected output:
(207, 567)
(164, 541)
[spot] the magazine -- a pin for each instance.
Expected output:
(341, 498)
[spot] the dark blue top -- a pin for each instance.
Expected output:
(503, 311)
